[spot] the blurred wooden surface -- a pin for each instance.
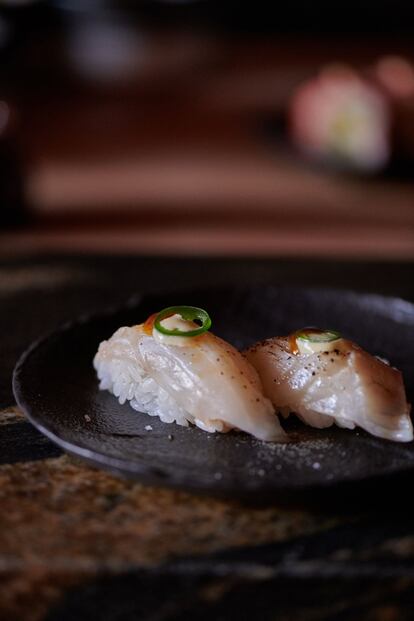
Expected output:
(184, 159)
(356, 243)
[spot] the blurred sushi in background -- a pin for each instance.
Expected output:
(359, 121)
(340, 118)
(395, 75)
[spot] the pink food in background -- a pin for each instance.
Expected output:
(341, 118)
(396, 76)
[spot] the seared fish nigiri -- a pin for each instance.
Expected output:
(325, 379)
(172, 368)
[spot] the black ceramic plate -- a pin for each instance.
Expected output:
(56, 386)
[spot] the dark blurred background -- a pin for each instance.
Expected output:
(208, 127)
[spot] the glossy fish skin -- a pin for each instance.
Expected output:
(346, 386)
(204, 381)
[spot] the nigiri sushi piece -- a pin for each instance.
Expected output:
(325, 379)
(173, 368)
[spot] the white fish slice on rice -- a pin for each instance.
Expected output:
(346, 386)
(202, 380)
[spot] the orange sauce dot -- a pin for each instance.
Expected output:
(293, 345)
(149, 324)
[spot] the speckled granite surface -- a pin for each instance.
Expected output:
(79, 543)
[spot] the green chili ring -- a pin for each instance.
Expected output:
(322, 336)
(190, 313)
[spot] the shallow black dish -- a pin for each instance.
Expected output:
(55, 385)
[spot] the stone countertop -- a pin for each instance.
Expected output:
(76, 542)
